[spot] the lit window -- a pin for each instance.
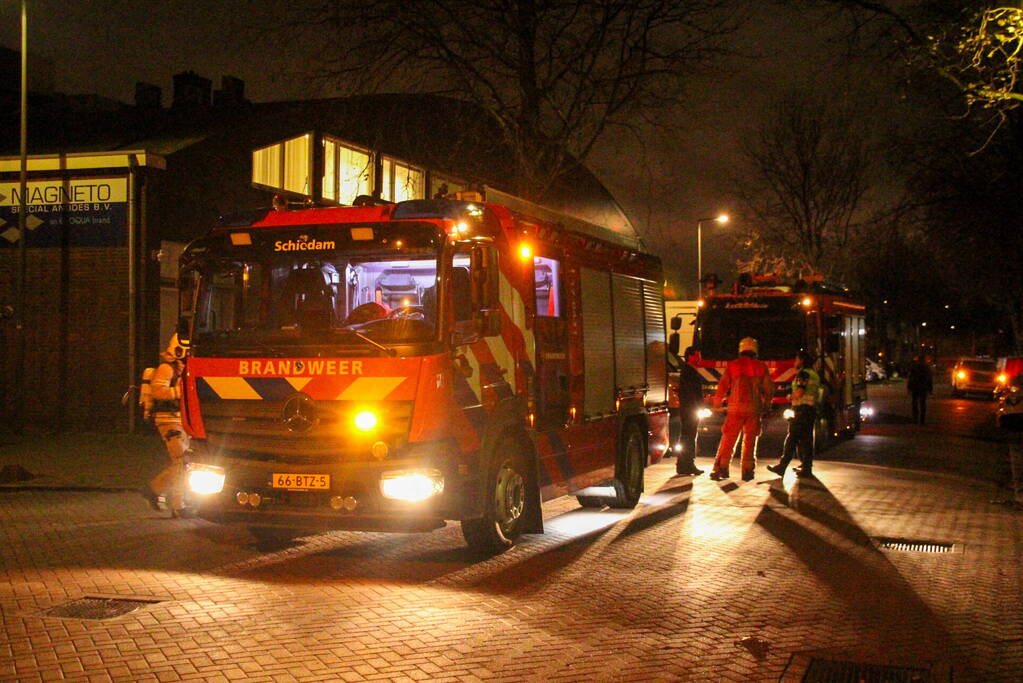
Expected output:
(266, 166)
(329, 170)
(296, 164)
(284, 165)
(354, 176)
(347, 171)
(402, 181)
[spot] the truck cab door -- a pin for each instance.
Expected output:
(551, 334)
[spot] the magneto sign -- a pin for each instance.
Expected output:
(80, 212)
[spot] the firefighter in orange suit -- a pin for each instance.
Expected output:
(747, 385)
(165, 387)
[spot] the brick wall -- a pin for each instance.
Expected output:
(76, 353)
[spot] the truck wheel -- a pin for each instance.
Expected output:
(505, 504)
(596, 502)
(628, 482)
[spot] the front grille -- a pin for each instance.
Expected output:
(251, 429)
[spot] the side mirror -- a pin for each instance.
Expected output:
(485, 276)
(673, 340)
(185, 331)
(488, 322)
(676, 322)
(465, 332)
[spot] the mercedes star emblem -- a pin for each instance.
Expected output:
(299, 413)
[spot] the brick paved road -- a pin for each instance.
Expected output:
(665, 592)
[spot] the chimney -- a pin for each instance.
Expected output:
(232, 92)
(147, 96)
(191, 90)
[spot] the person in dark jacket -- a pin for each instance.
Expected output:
(690, 396)
(919, 383)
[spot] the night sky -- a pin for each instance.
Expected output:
(666, 182)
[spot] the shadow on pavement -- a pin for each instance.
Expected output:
(871, 587)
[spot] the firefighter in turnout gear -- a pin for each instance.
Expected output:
(747, 385)
(165, 388)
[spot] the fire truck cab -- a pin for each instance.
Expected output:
(389, 367)
(785, 319)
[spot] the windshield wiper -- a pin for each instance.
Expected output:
(386, 349)
(223, 336)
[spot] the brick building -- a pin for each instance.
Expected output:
(115, 191)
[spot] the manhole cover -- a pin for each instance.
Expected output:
(827, 671)
(915, 546)
(97, 608)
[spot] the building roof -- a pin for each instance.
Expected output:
(212, 145)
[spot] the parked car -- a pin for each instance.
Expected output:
(1010, 405)
(875, 372)
(977, 375)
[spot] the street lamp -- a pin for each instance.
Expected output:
(720, 218)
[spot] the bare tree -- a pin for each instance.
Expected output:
(805, 190)
(973, 46)
(554, 74)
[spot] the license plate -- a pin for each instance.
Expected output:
(300, 481)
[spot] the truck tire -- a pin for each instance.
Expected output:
(628, 482)
(504, 506)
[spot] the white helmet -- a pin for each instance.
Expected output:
(174, 348)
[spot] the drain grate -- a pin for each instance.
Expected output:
(97, 608)
(915, 546)
(829, 671)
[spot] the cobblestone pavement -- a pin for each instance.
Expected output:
(704, 581)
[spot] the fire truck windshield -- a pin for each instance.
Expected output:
(383, 290)
(777, 327)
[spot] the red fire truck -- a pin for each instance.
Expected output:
(390, 367)
(785, 319)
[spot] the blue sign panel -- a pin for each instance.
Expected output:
(75, 212)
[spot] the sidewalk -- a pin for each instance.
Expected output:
(80, 460)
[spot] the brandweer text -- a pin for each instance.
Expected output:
(299, 367)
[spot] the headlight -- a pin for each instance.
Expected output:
(788, 413)
(204, 479)
(366, 420)
(411, 485)
(1003, 378)
(704, 413)
(866, 411)
(961, 374)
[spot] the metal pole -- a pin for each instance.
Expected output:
(22, 227)
(699, 258)
(133, 250)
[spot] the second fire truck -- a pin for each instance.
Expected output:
(785, 319)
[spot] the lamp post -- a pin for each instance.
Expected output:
(720, 218)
